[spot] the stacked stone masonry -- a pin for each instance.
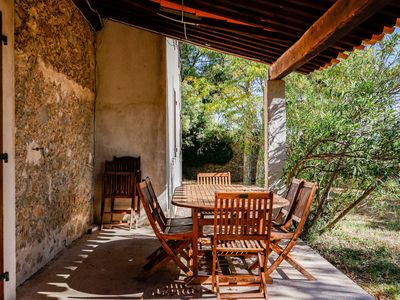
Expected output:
(55, 94)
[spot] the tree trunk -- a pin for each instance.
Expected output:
(260, 172)
(247, 160)
(348, 209)
(325, 194)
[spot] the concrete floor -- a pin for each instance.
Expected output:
(107, 265)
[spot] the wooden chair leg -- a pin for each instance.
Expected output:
(162, 257)
(173, 253)
(293, 263)
(154, 253)
(135, 211)
(130, 220)
(263, 285)
(103, 203)
(174, 256)
(285, 255)
(213, 271)
(112, 202)
(218, 289)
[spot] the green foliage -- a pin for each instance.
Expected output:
(222, 104)
(343, 123)
(365, 246)
(344, 127)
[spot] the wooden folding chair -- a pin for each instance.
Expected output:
(214, 178)
(296, 217)
(119, 182)
(282, 214)
(221, 178)
(182, 221)
(175, 240)
(242, 228)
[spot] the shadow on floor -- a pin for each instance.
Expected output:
(108, 265)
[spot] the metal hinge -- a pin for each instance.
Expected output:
(4, 156)
(5, 276)
(4, 39)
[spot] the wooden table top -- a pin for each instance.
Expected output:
(202, 196)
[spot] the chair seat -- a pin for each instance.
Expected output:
(239, 246)
(184, 221)
(184, 232)
(278, 233)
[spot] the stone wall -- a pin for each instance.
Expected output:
(54, 95)
(235, 166)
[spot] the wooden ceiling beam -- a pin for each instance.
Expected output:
(221, 9)
(136, 19)
(245, 41)
(320, 5)
(194, 32)
(341, 18)
(239, 40)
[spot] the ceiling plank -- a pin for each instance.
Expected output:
(173, 30)
(341, 18)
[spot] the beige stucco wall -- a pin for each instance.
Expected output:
(7, 8)
(130, 103)
(174, 153)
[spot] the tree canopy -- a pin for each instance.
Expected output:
(222, 105)
(343, 123)
(344, 128)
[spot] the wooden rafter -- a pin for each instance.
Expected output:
(340, 19)
(259, 30)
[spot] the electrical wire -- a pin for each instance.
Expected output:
(95, 11)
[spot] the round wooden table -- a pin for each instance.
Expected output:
(201, 197)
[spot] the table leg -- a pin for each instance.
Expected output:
(195, 218)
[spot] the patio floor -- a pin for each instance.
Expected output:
(107, 265)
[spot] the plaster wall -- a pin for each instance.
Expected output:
(7, 8)
(174, 147)
(275, 135)
(131, 103)
(54, 117)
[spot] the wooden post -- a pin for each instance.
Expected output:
(274, 135)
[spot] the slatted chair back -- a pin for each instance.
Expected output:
(283, 213)
(120, 176)
(222, 178)
(119, 181)
(155, 204)
(243, 216)
(123, 163)
(119, 184)
(151, 211)
(301, 207)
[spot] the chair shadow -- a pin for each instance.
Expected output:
(108, 265)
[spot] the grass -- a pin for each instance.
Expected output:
(366, 247)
